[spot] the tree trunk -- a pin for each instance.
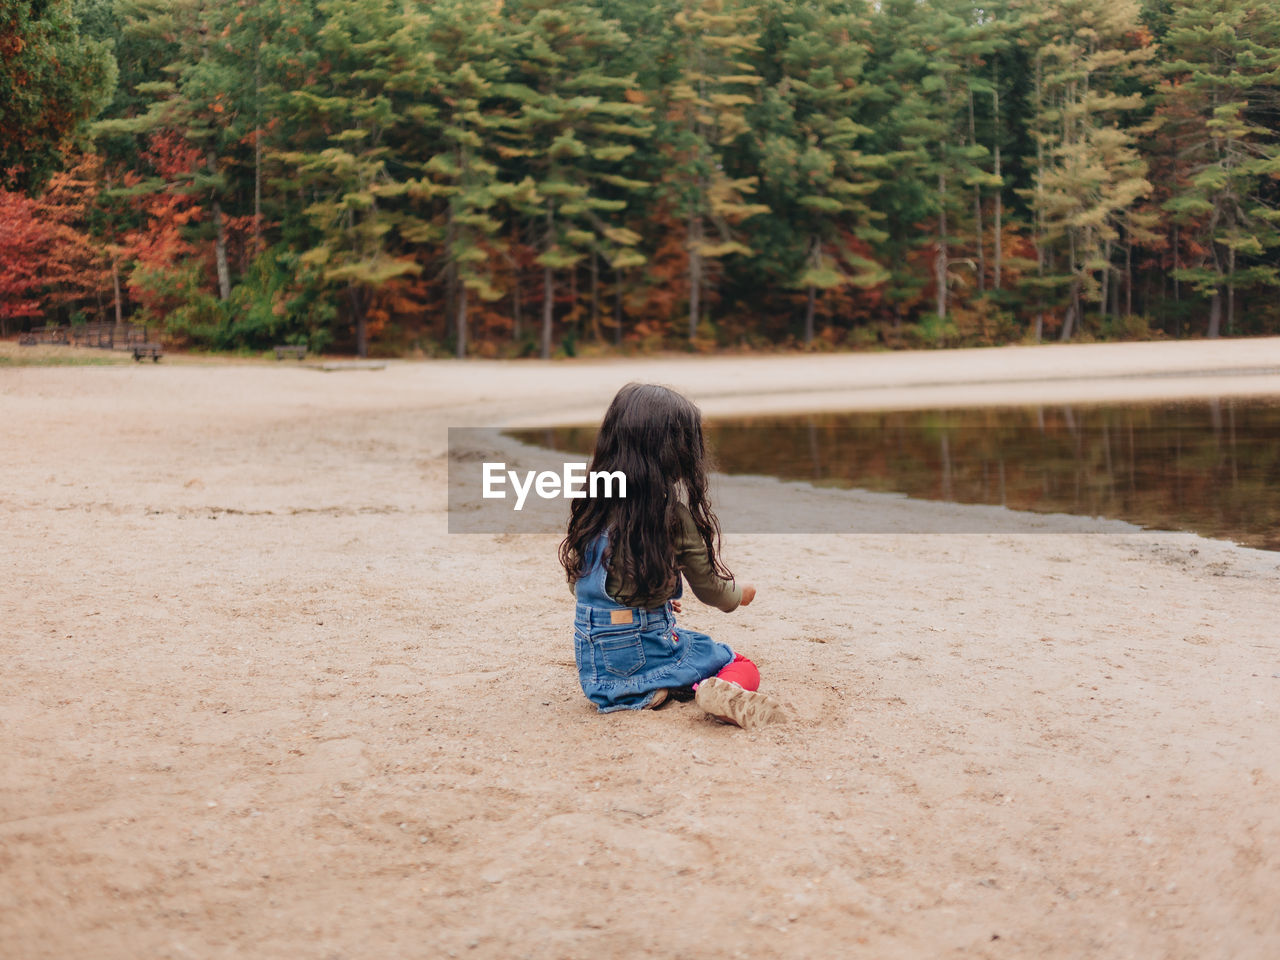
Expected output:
(808, 315)
(548, 289)
(257, 192)
(574, 312)
(1073, 310)
(257, 155)
(940, 257)
(355, 295)
(595, 297)
(695, 272)
(516, 307)
(220, 252)
(450, 292)
(1215, 314)
(999, 241)
(115, 283)
(1231, 292)
(462, 321)
(617, 307)
(1215, 307)
(450, 271)
(1128, 277)
(1106, 279)
(977, 210)
(220, 238)
(1073, 298)
(1039, 213)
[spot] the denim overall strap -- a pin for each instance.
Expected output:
(597, 609)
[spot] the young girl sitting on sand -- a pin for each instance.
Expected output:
(624, 557)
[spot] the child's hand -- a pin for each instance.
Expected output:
(748, 593)
(675, 606)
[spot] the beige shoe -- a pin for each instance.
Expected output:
(659, 698)
(729, 703)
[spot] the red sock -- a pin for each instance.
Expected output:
(742, 672)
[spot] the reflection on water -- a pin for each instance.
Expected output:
(1208, 467)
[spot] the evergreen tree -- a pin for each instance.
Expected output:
(919, 112)
(462, 116)
(1223, 66)
(574, 129)
(372, 72)
(705, 112)
(1089, 175)
(816, 177)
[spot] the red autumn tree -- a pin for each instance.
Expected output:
(24, 239)
(158, 248)
(76, 269)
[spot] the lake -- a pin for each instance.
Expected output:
(1212, 467)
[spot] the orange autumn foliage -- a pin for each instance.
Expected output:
(47, 258)
(24, 238)
(77, 268)
(158, 246)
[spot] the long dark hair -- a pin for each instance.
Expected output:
(654, 436)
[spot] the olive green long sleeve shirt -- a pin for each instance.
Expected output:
(691, 559)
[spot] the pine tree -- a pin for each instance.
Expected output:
(1089, 174)
(1224, 77)
(373, 71)
(574, 130)
(460, 120)
(953, 159)
(815, 176)
(705, 112)
(922, 53)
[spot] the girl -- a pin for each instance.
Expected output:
(624, 557)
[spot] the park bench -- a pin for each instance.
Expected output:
(297, 351)
(151, 350)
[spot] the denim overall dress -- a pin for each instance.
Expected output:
(626, 654)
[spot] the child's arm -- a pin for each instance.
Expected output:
(707, 585)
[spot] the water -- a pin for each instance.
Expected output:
(1212, 467)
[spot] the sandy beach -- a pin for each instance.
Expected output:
(258, 702)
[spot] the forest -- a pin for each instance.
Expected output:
(506, 178)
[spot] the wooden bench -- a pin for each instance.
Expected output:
(298, 352)
(151, 350)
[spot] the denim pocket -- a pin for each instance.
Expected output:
(621, 653)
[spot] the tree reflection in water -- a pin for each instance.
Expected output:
(1208, 467)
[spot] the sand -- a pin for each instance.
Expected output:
(257, 702)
